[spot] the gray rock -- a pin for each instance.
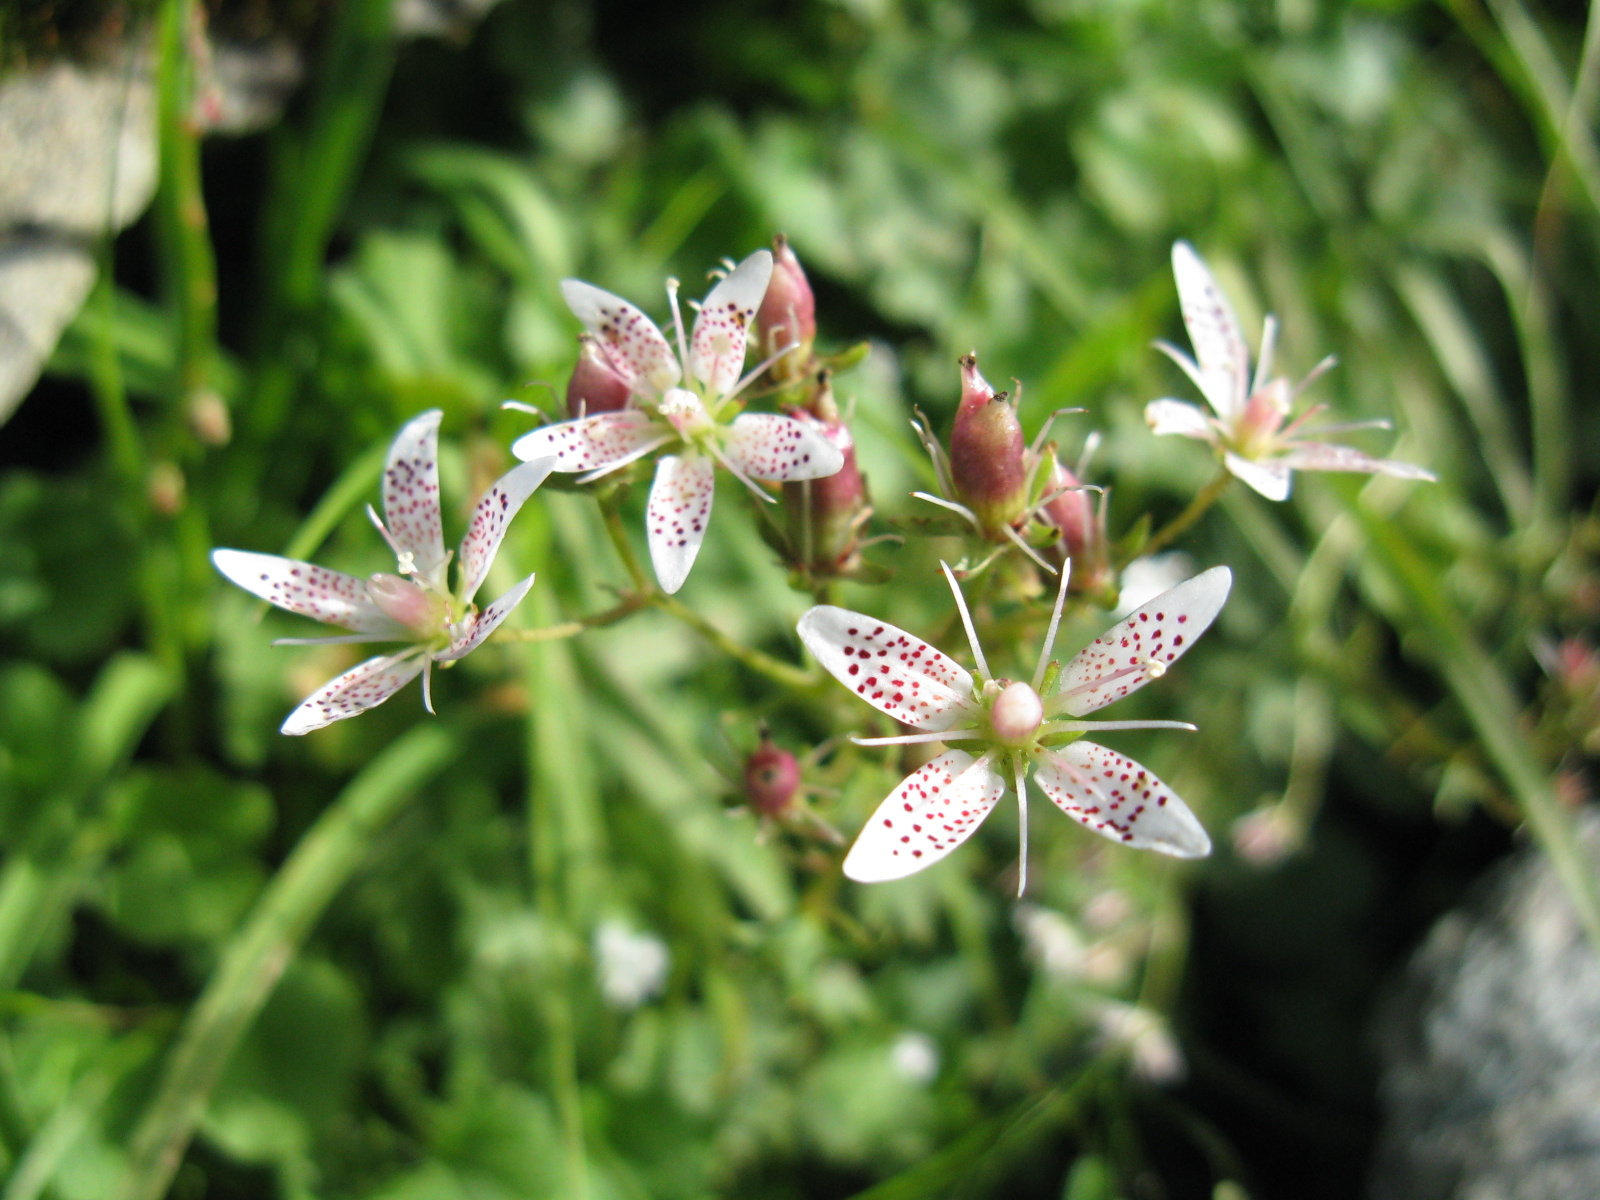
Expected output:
(1491, 1053)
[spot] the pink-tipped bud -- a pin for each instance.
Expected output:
(987, 465)
(596, 385)
(823, 515)
(1017, 713)
(788, 314)
(1263, 415)
(771, 778)
(1083, 531)
(412, 605)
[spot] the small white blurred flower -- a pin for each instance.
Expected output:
(1106, 910)
(1105, 963)
(1266, 836)
(1145, 1036)
(632, 967)
(1146, 578)
(1050, 941)
(915, 1056)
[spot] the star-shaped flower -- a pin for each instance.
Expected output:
(1010, 726)
(1248, 427)
(698, 417)
(415, 606)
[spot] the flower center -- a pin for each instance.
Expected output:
(1017, 714)
(686, 413)
(417, 608)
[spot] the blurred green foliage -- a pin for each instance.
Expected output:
(369, 963)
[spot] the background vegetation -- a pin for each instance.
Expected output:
(1412, 186)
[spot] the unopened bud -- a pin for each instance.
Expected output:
(1083, 533)
(788, 315)
(986, 453)
(166, 488)
(208, 417)
(824, 514)
(771, 778)
(596, 385)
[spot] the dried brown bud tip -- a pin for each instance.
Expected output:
(987, 466)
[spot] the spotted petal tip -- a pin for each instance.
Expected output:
(721, 331)
(1219, 345)
(676, 516)
(636, 345)
(487, 527)
(896, 672)
(307, 589)
(358, 689)
(935, 809)
(771, 446)
(1119, 799)
(411, 495)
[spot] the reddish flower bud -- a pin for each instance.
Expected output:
(986, 453)
(771, 778)
(1083, 532)
(788, 314)
(596, 385)
(824, 514)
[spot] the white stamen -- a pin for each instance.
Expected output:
(1316, 373)
(1055, 624)
(519, 406)
(1269, 339)
(1090, 445)
(959, 509)
(677, 322)
(1099, 726)
(427, 686)
(755, 372)
(966, 622)
(1022, 820)
(760, 492)
(345, 639)
(1028, 550)
(1044, 430)
(912, 739)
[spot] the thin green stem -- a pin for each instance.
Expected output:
(611, 514)
(567, 629)
(1198, 507)
(257, 955)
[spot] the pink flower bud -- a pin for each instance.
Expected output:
(408, 603)
(788, 314)
(1017, 713)
(1083, 532)
(823, 514)
(596, 385)
(771, 778)
(986, 453)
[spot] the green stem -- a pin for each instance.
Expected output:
(258, 953)
(189, 264)
(554, 633)
(1179, 525)
(1491, 705)
(779, 672)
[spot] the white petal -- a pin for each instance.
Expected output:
(716, 348)
(358, 689)
(1323, 456)
(675, 517)
(307, 589)
(770, 446)
(1135, 650)
(1174, 416)
(493, 513)
(1269, 476)
(897, 673)
(485, 623)
(637, 347)
(1219, 346)
(602, 442)
(1119, 799)
(411, 495)
(934, 810)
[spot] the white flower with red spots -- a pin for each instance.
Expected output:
(1246, 425)
(415, 606)
(1011, 726)
(698, 417)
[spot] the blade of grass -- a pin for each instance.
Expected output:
(256, 956)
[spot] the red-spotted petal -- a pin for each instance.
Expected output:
(1219, 346)
(1119, 799)
(1325, 456)
(638, 349)
(485, 623)
(307, 589)
(676, 515)
(602, 442)
(1174, 416)
(358, 689)
(1141, 647)
(411, 495)
(493, 513)
(716, 348)
(934, 810)
(897, 673)
(770, 446)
